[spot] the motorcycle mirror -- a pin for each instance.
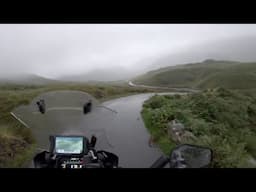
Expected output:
(93, 141)
(190, 156)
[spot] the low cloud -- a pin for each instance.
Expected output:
(56, 50)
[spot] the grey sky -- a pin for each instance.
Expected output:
(54, 50)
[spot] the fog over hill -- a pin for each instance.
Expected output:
(117, 51)
(26, 79)
(230, 49)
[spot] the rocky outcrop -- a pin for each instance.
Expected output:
(178, 133)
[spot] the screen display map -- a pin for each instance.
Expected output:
(69, 145)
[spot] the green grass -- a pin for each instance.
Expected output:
(251, 145)
(22, 159)
(158, 135)
(221, 119)
(14, 150)
(12, 133)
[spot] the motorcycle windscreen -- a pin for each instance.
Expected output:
(64, 116)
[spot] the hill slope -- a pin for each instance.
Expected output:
(27, 79)
(207, 74)
(108, 74)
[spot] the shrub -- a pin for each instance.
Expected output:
(221, 119)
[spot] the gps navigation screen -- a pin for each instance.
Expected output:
(69, 145)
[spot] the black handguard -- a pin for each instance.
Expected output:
(43, 160)
(109, 160)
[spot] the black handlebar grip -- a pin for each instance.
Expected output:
(161, 162)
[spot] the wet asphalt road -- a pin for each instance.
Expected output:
(122, 133)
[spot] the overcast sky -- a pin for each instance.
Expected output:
(54, 50)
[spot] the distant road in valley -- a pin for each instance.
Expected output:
(130, 83)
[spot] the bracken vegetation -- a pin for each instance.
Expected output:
(224, 120)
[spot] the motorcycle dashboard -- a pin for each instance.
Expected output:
(68, 145)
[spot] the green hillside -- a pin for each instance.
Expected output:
(242, 76)
(208, 74)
